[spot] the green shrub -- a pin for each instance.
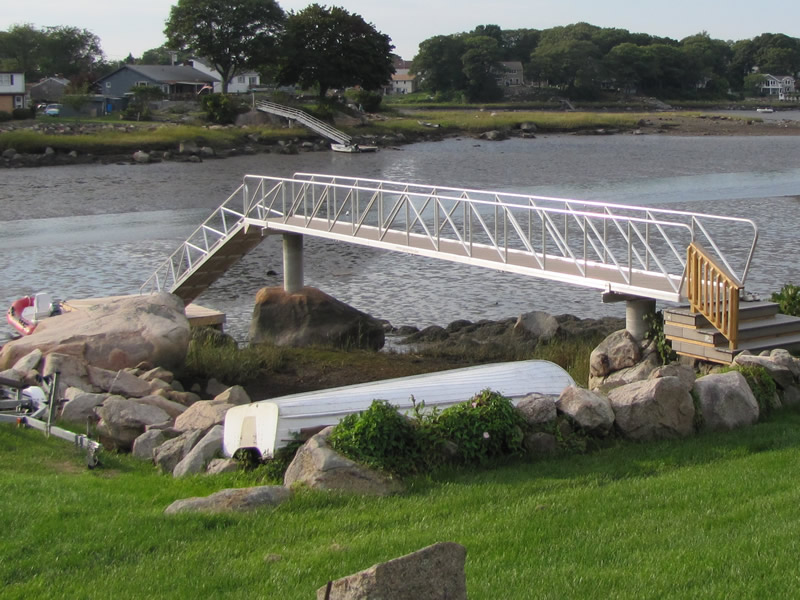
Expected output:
(24, 113)
(5, 116)
(788, 300)
(221, 108)
(655, 332)
(369, 101)
(379, 437)
(488, 426)
(762, 385)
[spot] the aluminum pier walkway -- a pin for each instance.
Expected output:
(314, 124)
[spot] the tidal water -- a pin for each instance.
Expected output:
(85, 231)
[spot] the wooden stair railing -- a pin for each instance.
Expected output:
(713, 292)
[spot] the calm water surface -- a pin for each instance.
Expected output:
(99, 230)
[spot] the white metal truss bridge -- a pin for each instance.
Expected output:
(619, 249)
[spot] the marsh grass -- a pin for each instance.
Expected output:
(708, 517)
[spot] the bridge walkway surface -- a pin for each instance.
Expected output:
(627, 252)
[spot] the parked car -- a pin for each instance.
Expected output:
(53, 110)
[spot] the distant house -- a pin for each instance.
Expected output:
(511, 75)
(239, 84)
(12, 91)
(403, 81)
(174, 81)
(49, 89)
(778, 85)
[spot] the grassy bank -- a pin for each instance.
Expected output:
(711, 517)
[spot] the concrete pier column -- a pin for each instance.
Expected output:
(635, 311)
(292, 262)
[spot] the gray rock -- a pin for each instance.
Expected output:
(71, 372)
(173, 409)
(791, 397)
(684, 373)
(141, 157)
(537, 409)
(540, 444)
(118, 382)
(782, 375)
(726, 401)
(433, 573)
(207, 151)
(589, 410)
(233, 500)
(81, 405)
(318, 466)
(618, 351)
(494, 135)
(654, 409)
(638, 372)
(783, 358)
(158, 373)
(210, 446)
(170, 453)
(214, 388)
(123, 420)
(188, 148)
(539, 324)
(234, 395)
(222, 465)
(145, 444)
(29, 362)
(185, 398)
(9, 153)
(202, 415)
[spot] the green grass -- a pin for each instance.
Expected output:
(709, 517)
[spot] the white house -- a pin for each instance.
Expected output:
(239, 84)
(12, 91)
(403, 83)
(778, 85)
(511, 74)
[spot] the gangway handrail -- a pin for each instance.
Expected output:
(614, 247)
(306, 119)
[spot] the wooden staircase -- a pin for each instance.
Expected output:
(760, 327)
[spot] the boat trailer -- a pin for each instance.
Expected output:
(33, 407)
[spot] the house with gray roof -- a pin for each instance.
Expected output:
(49, 89)
(179, 80)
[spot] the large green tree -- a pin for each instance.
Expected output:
(481, 67)
(233, 35)
(438, 64)
(330, 48)
(65, 51)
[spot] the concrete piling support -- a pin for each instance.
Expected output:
(635, 311)
(292, 262)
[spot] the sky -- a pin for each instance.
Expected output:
(135, 27)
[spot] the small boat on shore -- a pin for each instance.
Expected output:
(269, 425)
(354, 148)
(26, 313)
(765, 110)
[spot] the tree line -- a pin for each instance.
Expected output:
(583, 59)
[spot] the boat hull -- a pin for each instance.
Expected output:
(269, 425)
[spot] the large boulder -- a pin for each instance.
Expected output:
(170, 453)
(782, 375)
(538, 409)
(118, 382)
(726, 401)
(145, 444)
(112, 334)
(235, 395)
(81, 405)
(71, 372)
(539, 324)
(638, 372)
(232, 500)
(173, 409)
(655, 409)
(619, 350)
(203, 415)
(433, 573)
(311, 318)
(123, 420)
(318, 466)
(589, 410)
(210, 446)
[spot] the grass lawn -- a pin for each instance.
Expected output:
(710, 517)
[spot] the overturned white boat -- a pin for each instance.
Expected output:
(270, 424)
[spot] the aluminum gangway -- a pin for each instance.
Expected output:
(294, 114)
(619, 249)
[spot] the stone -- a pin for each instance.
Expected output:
(173, 409)
(170, 453)
(618, 351)
(638, 372)
(726, 401)
(185, 398)
(141, 157)
(145, 444)
(158, 373)
(9, 153)
(188, 148)
(494, 135)
(118, 382)
(791, 397)
(318, 466)
(207, 151)
(432, 573)
(783, 358)
(80, 405)
(71, 372)
(311, 317)
(196, 461)
(221, 465)
(684, 373)
(123, 420)
(214, 388)
(655, 409)
(541, 325)
(528, 127)
(202, 415)
(113, 334)
(233, 395)
(29, 362)
(589, 410)
(537, 409)
(233, 500)
(782, 375)
(540, 444)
